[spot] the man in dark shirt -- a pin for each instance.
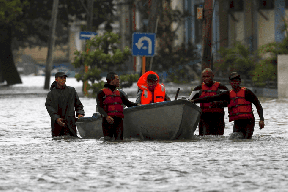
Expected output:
(61, 103)
(240, 107)
(212, 117)
(110, 105)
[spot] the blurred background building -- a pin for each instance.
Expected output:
(252, 22)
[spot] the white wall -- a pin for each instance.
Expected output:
(282, 71)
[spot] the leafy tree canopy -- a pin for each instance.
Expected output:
(29, 19)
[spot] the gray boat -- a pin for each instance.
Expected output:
(168, 120)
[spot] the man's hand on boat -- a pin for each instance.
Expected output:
(139, 104)
(192, 101)
(60, 122)
(109, 119)
(261, 124)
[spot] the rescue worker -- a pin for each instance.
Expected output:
(61, 103)
(150, 90)
(240, 106)
(110, 105)
(212, 117)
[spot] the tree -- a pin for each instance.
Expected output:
(103, 56)
(238, 58)
(25, 23)
(9, 11)
(174, 59)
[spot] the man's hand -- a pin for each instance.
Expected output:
(80, 116)
(109, 119)
(192, 101)
(139, 104)
(60, 122)
(261, 124)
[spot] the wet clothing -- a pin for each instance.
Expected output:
(211, 124)
(246, 126)
(115, 129)
(63, 103)
(145, 96)
(212, 118)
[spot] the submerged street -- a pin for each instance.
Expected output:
(31, 161)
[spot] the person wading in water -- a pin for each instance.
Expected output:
(61, 103)
(240, 106)
(110, 105)
(212, 117)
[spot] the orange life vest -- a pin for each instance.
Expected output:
(239, 107)
(113, 103)
(210, 91)
(159, 95)
(146, 97)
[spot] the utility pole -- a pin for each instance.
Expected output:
(49, 59)
(89, 28)
(207, 36)
(152, 21)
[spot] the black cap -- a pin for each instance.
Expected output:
(234, 75)
(60, 74)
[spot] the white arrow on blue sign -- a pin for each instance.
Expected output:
(143, 44)
(85, 35)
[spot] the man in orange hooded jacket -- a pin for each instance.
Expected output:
(150, 90)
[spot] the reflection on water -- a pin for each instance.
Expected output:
(32, 161)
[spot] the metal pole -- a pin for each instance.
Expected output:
(207, 35)
(143, 64)
(49, 59)
(155, 50)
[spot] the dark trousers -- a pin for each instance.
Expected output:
(57, 130)
(115, 129)
(211, 124)
(245, 126)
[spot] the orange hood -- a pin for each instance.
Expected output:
(142, 82)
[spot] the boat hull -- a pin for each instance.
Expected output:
(159, 121)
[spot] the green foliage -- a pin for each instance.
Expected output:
(128, 80)
(237, 58)
(264, 71)
(103, 56)
(9, 10)
(29, 19)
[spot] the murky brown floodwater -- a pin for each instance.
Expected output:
(31, 161)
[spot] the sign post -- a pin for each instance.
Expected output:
(85, 35)
(143, 44)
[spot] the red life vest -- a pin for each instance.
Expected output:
(239, 107)
(113, 103)
(210, 91)
(159, 95)
(146, 97)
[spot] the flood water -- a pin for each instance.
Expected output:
(31, 161)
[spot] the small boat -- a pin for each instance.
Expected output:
(167, 120)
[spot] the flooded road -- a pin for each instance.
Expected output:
(31, 161)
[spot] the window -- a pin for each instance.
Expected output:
(266, 4)
(237, 5)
